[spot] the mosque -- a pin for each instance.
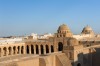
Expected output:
(62, 49)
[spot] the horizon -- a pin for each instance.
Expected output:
(23, 17)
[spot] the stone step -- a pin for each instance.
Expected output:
(64, 60)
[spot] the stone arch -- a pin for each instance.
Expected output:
(78, 64)
(22, 49)
(47, 48)
(32, 49)
(18, 48)
(37, 49)
(27, 49)
(60, 46)
(5, 51)
(52, 48)
(42, 50)
(9, 49)
(14, 49)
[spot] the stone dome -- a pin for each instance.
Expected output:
(72, 42)
(63, 31)
(87, 30)
(63, 27)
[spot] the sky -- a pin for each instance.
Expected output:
(23, 17)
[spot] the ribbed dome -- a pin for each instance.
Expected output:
(63, 31)
(87, 30)
(63, 27)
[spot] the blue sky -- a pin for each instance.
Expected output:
(21, 17)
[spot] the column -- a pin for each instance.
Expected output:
(44, 48)
(34, 49)
(19, 49)
(16, 50)
(12, 51)
(7, 52)
(24, 49)
(39, 50)
(1, 52)
(49, 48)
(29, 49)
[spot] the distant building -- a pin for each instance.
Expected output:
(87, 32)
(44, 36)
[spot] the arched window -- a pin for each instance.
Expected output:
(32, 49)
(37, 49)
(47, 49)
(60, 46)
(52, 48)
(5, 50)
(14, 49)
(42, 51)
(27, 49)
(22, 49)
(18, 49)
(9, 50)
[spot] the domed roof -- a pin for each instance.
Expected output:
(87, 28)
(63, 27)
(72, 42)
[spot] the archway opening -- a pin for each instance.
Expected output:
(60, 46)
(78, 64)
(32, 49)
(37, 49)
(18, 49)
(27, 49)
(52, 48)
(42, 51)
(5, 50)
(47, 49)
(22, 50)
(9, 50)
(14, 49)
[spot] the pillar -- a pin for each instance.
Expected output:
(12, 51)
(29, 49)
(39, 50)
(24, 50)
(19, 49)
(1, 52)
(34, 49)
(44, 48)
(49, 48)
(7, 52)
(16, 50)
